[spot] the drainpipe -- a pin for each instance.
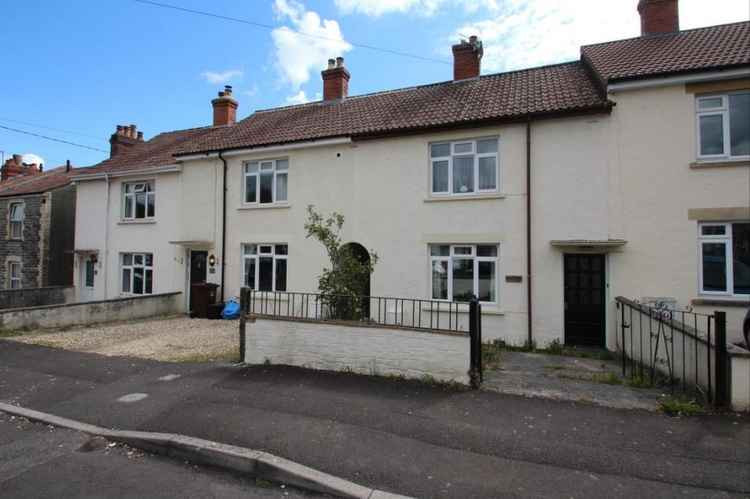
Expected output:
(223, 224)
(106, 237)
(528, 228)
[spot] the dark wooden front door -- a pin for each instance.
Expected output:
(584, 300)
(198, 271)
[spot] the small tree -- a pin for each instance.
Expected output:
(343, 285)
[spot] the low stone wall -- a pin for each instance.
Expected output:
(739, 365)
(36, 297)
(119, 309)
(362, 349)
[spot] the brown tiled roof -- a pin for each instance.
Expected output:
(553, 89)
(38, 183)
(714, 47)
(155, 152)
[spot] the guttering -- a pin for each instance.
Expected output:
(128, 173)
(528, 233)
(228, 153)
(657, 81)
(223, 224)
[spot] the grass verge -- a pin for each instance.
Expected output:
(674, 406)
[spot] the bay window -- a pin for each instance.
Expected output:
(139, 201)
(266, 181)
(265, 266)
(725, 258)
(462, 271)
(137, 271)
(724, 126)
(464, 167)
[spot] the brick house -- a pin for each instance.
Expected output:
(37, 209)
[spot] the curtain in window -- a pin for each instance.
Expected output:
(739, 118)
(463, 174)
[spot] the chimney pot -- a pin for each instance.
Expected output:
(140, 136)
(67, 165)
(467, 57)
(18, 159)
(659, 16)
(339, 62)
(335, 80)
(123, 138)
(225, 108)
(331, 63)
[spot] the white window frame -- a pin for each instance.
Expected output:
(143, 185)
(725, 239)
(17, 281)
(722, 111)
(17, 221)
(262, 251)
(132, 267)
(269, 165)
(477, 156)
(458, 256)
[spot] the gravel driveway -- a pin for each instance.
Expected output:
(177, 339)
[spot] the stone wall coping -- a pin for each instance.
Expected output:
(96, 302)
(43, 288)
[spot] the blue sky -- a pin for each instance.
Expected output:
(86, 66)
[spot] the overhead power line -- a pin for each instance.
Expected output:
(272, 27)
(36, 125)
(52, 138)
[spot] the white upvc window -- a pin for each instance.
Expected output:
(723, 125)
(16, 217)
(464, 167)
(14, 275)
(724, 250)
(137, 273)
(265, 266)
(139, 200)
(460, 271)
(266, 181)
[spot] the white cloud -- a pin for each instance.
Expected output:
(527, 33)
(376, 8)
(218, 77)
(299, 55)
(298, 98)
(252, 91)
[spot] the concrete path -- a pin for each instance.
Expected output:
(401, 437)
(44, 461)
(567, 378)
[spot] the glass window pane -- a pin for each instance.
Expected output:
(265, 277)
(440, 176)
(463, 147)
(127, 259)
(462, 250)
(126, 280)
(149, 282)
(440, 250)
(150, 207)
(739, 121)
(251, 249)
(89, 274)
(440, 150)
(282, 164)
(281, 187)
(463, 174)
(251, 167)
(487, 250)
(250, 272)
(486, 281)
(266, 250)
(486, 146)
(282, 249)
(128, 206)
(713, 230)
(138, 281)
(712, 134)
(463, 279)
(266, 188)
(140, 205)
(251, 188)
(138, 259)
(741, 258)
(149, 187)
(439, 280)
(714, 267)
(280, 274)
(266, 165)
(128, 188)
(710, 103)
(487, 173)
(149, 259)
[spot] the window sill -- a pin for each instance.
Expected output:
(721, 302)
(136, 222)
(464, 309)
(724, 163)
(268, 206)
(474, 197)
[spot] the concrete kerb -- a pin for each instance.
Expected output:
(229, 457)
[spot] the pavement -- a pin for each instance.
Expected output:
(398, 436)
(37, 460)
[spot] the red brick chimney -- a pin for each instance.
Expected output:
(467, 57)
(659, 16)
(14, 167)
(124, 138)
(225, 107)
(335, 80)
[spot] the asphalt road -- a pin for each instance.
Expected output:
(398, 436)
(46, 462)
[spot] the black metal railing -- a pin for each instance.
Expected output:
(680, 349)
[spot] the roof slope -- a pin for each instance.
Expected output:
(158, 151)
(551, 89)
(714, 47)
(38, 183)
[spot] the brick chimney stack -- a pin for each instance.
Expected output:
(659, 16)
(335, 80)
(14, 166)
(225, 107)
(124, 138)
(467, 57)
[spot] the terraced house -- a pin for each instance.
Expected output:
(546, 192)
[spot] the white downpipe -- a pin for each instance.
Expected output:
(106, 239)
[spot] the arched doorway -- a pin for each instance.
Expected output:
(363, 256)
